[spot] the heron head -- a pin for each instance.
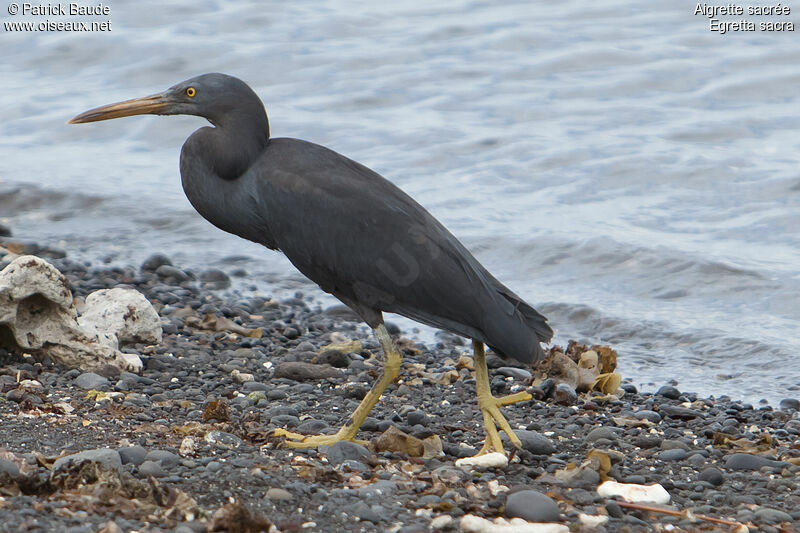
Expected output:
(215, 97)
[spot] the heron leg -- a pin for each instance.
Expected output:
(490, 406)
(348, 431)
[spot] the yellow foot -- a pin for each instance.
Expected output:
(297, 440)
(493, 418)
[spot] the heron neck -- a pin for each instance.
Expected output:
(235, 142)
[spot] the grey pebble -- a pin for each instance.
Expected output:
(312, 426)
(132, 454)
(152, 468)
(90, 380)
(278, 494)
(154, 261)
(668, 391)
(214, 466)
(533, 506)
(105, 456)
(745, 461)
(675, 454)
(614, 510)
(377, 490)
(772, 516)
(535, 442)
(367, 513)
(564, 394)
(344, 450)
(645, 414)
(512, 372)
(790, 404)
(298, 371)
(672, 444)
(712, 475)
(165, 458)
(603, 432)
(9, 467)
(417, 417)
(169, 272)
(223, 439)
(697, 460)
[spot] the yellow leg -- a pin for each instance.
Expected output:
(490, 406)
(349, 430)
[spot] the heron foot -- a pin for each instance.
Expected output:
(297, 440)
(494, 419)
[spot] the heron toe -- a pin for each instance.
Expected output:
(493, 418)
(297, 440)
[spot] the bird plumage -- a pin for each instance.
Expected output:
(362, 239)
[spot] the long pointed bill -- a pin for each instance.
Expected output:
(155, 104)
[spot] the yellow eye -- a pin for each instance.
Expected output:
(190, 92)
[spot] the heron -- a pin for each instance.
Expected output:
(348, 229)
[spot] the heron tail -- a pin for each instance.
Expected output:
(516, 331)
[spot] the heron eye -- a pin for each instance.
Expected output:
(190, 92)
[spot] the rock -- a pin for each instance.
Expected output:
(564, 394)
(242, 377)
(170, 273)
(165, 458)
(105, 456)
(441, 522)
(450, 475)
(132, 454)
(121, 316)
(645, 414)
(312, 427)
(479, 462)
(790, 404)
(592, 521)
(614, 510)
(681, 413)
(223, 439)
(672, 444)
(90, 380)
(378, 490)
(746, 461)
(475, 524)
(534, 442)
(711, 475)
(152, 263)
(675, 454)
(668, 391)
(279, 495)
(9, 467)
(334, 358)
(634, 493)
(517, 373)
(772, 516)
(532, 506)
(603, 432)
(37, 311)
(215, 279)
(298, 371)
(417, 417)
(367, 513)
(344, 450)
(188, 446)
(152, 468)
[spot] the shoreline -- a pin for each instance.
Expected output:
(699, 449)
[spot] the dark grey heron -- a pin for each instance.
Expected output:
(348, 229)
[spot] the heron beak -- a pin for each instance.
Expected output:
(155, 104)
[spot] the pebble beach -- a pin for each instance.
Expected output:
(186, 445)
